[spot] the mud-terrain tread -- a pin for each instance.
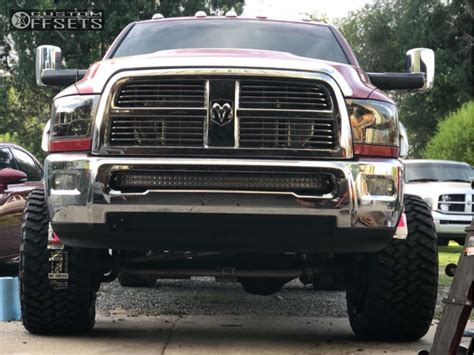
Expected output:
(44, 309)
(402, 282)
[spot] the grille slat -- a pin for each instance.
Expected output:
(151, 122)
(263, 141)
(152, 114)
(156, 141)
(277, 133)
(320, 132)
(293, 116)
(169, 133)
(169, 127)
(249, 98)
(296, 124)
(166, 91)
(131, 87)
(278, 91)
(278, 103)
(133, 96)
(178, 103)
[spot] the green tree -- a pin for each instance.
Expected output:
(382, 32)
(454, 137)
(24, 107)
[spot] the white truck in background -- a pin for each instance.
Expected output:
(447, 188)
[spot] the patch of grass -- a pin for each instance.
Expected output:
(447, 255)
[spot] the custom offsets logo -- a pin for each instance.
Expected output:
(56, 20)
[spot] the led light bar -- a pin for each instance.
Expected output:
(302, 184)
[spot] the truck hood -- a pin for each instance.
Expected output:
(352, 80)
(433, 190)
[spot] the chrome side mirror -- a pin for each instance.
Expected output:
(421, 60)
(47, 57)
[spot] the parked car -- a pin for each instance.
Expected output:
(447, 188)
(253, 149)
(20, 173)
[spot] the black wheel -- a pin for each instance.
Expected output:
(262, 286)
(392, 294)
(47, 308)
(128, 280)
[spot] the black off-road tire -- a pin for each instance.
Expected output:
(46, 310)
(129, 280)
(392, 294)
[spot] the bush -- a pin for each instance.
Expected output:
(454, 137)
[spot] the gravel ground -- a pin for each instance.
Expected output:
(204, 296)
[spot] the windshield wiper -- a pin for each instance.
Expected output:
(422, 180)
(457, 180)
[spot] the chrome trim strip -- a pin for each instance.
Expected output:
(236, 117)
(83, 161)
(248, 192)
(127, 109)
(206, 119)
(99, 132)
(283, 110)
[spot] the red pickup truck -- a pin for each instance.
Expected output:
(246, 148)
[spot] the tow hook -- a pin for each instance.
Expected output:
(58, 274)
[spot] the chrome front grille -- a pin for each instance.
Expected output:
(282, 114)
(456, 203)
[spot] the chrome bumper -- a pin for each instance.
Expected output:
(89, 200)
(448, 224)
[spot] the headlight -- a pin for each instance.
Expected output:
(72, 116)
(375, 127)
(444, 206)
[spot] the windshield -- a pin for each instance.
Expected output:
(305, 40)
(436, 172)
